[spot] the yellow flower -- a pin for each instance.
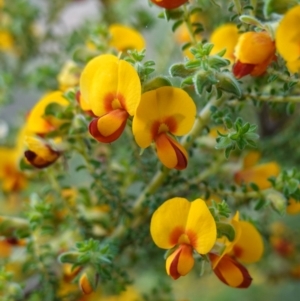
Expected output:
(288, 39)
(161, 113)
(184, 226)
(257, 174)
(112, 89)
(7, 245)
(293, 206)
(85, 284)
(246, 247)
(254, 52)
(11, 176)
(225, 37)
(38, 123)
(6, 40)
(39, 153)
(124, 38)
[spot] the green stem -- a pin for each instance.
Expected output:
(238, 6)
(273, 98)
(189, 26)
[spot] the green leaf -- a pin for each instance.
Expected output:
(180, 70)
(228, 83)
(225, 229)
(278, 6)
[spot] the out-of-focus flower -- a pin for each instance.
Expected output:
(162, 113)
(39, 153)
(129, 294)
(257, 174)
(124, 38)
(246, 247)
(293, 206)
(68, 76)
(10, 175)
(169, 4)
(112, 89)
(37, 122)
(254, 52)
(7, 245)
(6, 41)
(288, 39)
(225, 37)
(12, 178)
(183, 226)
(281, 240)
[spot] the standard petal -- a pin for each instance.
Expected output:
(225, 37)
(231, 272)
(180, 262)
(293, 206)
(124, 38)
(251, 159)
(116, 85)
(201, 227)
(36, 122)
(89, 71)
(249, 247)
(109, 127)
(288, 35)
(168, 222)
(170, 152)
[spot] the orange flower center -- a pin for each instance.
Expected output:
(167, 125)
(113, 101)
(182, 236)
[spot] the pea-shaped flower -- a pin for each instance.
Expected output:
(111, 88)
(184, 227)
(254, 52)
(162, 113)
(288, 38)
(247, 247)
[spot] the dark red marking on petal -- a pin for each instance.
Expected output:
(39, 162)
(93, 128)
(240, 69)
(218, 271)
(181, 158)
(173, 267)
(175, 235)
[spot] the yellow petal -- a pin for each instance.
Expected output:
(170, 152)
(225, 37)
(36, 122)
(249, 247)
(114, 85)
(251, 159)
(201, 227)
(293, 207)
(254, 48)
(89, 71)
(124, 38)
(231, 272)
(258, 174)
(168, 222)
(158, 106)
(6, 40)
(180, 262)
(288, 35)
(293, 66)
